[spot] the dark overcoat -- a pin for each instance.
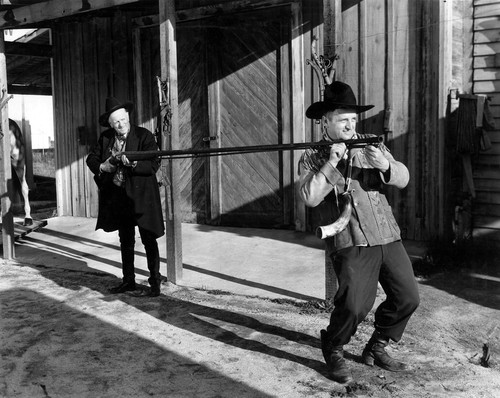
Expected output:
(141, 186)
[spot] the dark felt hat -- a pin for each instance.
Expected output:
(337, 95)
(112, 104)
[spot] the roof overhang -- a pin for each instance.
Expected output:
(28, 13)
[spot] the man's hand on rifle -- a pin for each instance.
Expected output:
(337, 153)
(376, 158)
(107, 166)
(127, 162)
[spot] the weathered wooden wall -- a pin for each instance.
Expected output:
(91, 62)
(486, 81)
(99, 56)
(393, 54)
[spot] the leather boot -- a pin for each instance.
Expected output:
(334, 358)
(374, 354)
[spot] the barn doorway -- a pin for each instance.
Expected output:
(29, 78)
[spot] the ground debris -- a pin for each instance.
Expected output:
(219, 292)
(485, 359)
(308, 307)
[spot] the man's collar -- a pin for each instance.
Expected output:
(121, 137)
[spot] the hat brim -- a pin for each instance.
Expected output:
(318, 109)
(103, 119)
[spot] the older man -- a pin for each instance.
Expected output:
(129, 195)
(368, 249)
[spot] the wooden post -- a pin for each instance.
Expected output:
(5, 167)
(170, 138)
(298, 107)
(445, 82)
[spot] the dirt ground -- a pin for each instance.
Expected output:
(63, 335)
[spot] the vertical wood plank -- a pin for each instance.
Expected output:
(286, 156)
(445, 46)
(121, 51)
(169, 73)
(298, 122)
(330, 28)
(348, 63)
(5, 167)
(72, 152)
(91, 113)
(214, 177)
(402, 127)
(373, 64)
(61, 122)
(80, 150)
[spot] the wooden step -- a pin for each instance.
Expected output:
(21, 230)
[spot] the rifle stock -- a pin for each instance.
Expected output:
(193, 153)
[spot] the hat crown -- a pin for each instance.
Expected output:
(340, 93)
(112, 103)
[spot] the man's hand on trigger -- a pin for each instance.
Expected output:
(376, 158)
(107, 167)
(337, 152)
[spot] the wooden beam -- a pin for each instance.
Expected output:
(227, 8)
(28, 49)
(29, 90)
(170, 139)
(5, 167)
(54, 9)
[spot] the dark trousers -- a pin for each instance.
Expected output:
(127, 246)
(359, 269)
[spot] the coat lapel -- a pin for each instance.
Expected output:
(132, 140)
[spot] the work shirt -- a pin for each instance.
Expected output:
(372, 221)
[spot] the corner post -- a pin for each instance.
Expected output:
(170, 138)
(5, 167)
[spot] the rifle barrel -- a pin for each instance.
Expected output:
(202, 152)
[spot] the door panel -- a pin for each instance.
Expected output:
(246, 66)
(193, 120)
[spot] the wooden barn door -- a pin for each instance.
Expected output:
(247, 102)
(233, 90)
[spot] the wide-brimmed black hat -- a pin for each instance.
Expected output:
(112, 104)
(337, 95)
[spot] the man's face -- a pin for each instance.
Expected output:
(120, 121)
(340, 124)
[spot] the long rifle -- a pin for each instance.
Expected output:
(203, 152)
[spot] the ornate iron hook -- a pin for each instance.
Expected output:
(323, 67)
